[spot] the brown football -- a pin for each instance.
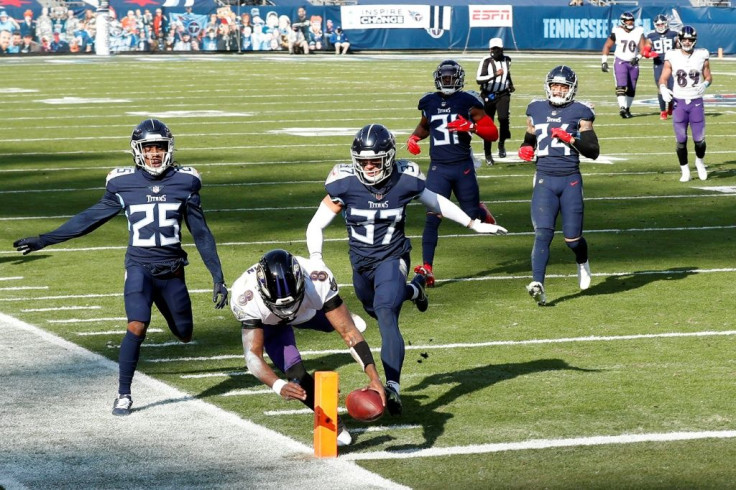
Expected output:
(364, 405)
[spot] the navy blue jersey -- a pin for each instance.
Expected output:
(446, 147)
(661, 43)
(155, 208)
(553, 156)
(375, 217)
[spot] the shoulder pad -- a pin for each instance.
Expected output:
(189, 170)
(340, 171)
(588, 104)
(117, 172)
(408, 167)
(422, 99)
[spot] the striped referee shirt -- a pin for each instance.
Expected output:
(488, 80)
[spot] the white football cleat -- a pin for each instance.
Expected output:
(685, 173)
(359, 322)
(343, 436)
(536, 291)
(584, 275)
(700, 166)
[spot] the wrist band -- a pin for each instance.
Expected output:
(277, 385)
(362, 354)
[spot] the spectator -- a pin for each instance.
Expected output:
(226, 41)
(58, 45)
(28, 45)
(28, 26)
(160, 28)
(297, 41)
(5, 38)
(687, 97)
(8, 23)
(315, 33)
(44, 25)
(209, 41)
(186, 43)
(15, 42)
(301, 22)
(329, 30)
(282, 292)
(494, 78)
(284, 30)
(86, 38)
(340, 40)
(71, 25)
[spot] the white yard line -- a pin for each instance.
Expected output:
(57, 430)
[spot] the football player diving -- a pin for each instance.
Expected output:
(372, 194)
(561, 129)
(156, 196)
(449, 117)
(279, 293)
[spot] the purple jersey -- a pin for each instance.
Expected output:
(553, 156)
(375, 216)
(446, 147)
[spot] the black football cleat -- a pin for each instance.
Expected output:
(628, 113)
(501, 150)
(393, 401)
(422, 301)
(122, 405)
(622, 113)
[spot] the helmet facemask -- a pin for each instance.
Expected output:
(561, 75)
(449, 77)
(151, 133)
(281, 283)
(687, 33)
(374, 146)
(627, 21)
(660, 24)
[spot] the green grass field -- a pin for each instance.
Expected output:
(630, 384)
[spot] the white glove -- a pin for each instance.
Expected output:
(667, 94)
(702, 87)
(480, 227)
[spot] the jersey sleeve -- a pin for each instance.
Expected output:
(85, 222)
(411, 176)
(337, 181)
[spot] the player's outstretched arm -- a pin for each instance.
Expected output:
(257, 366)
(322, 218)
(445, 207)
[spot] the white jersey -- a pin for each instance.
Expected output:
(626, 42)
(320, 286)
(687, 71)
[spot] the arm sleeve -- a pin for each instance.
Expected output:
(321, 219)
(85, 222)
(203, 239)
(444, 206)
(587, 145)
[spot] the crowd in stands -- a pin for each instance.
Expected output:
(62, 30)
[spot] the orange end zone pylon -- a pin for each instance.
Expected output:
(325, 414)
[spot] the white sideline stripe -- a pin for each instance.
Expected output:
(459, 279)
(245, 392)
(383, 428)
(302, 411)
(89, 320)
(214, 375)
(494, 343)
(61, 308)
(14, 278)
(23, 288)
(541, 444)
(173, 343)
(115, 332)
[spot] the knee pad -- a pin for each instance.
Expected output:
(700, 149)
(620, 90)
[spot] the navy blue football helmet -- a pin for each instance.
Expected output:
(280, 283)
(449, 77)
(152, 132)
(661, 24)
(688, 33)
(561, 75)
(627, 21)
(373, 142)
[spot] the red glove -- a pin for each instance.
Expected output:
(561, 135)
(412, 144)
(526, 153)
(460, 125)
(648, 53)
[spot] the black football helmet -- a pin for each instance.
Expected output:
(563, 75)
(661, 24)
(449, 77)
(688, 33)
(627, 21)
(280, 283)
(373, 142)
(152, 131)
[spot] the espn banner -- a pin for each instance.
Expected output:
(395, 16)
(490, 16)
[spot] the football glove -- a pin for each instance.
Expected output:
(561, 135)
(479, 227)
(219, 295)
(412, 144)
(604, 67)
(666, 93)
(634, 61)
(460, 125)
(28, 245)
(702, 88)
(526, 153)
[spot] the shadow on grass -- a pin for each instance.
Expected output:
(460, 384)
(627, 282)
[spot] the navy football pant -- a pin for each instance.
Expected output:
(382, 291)
(555, 196)
(142, 290)
(446, 180)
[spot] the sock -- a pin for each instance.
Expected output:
(130, 350)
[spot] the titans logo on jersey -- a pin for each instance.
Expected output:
(155, 208)
(375, 217)
(553, 156)
(446, 147)
(661, 43)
